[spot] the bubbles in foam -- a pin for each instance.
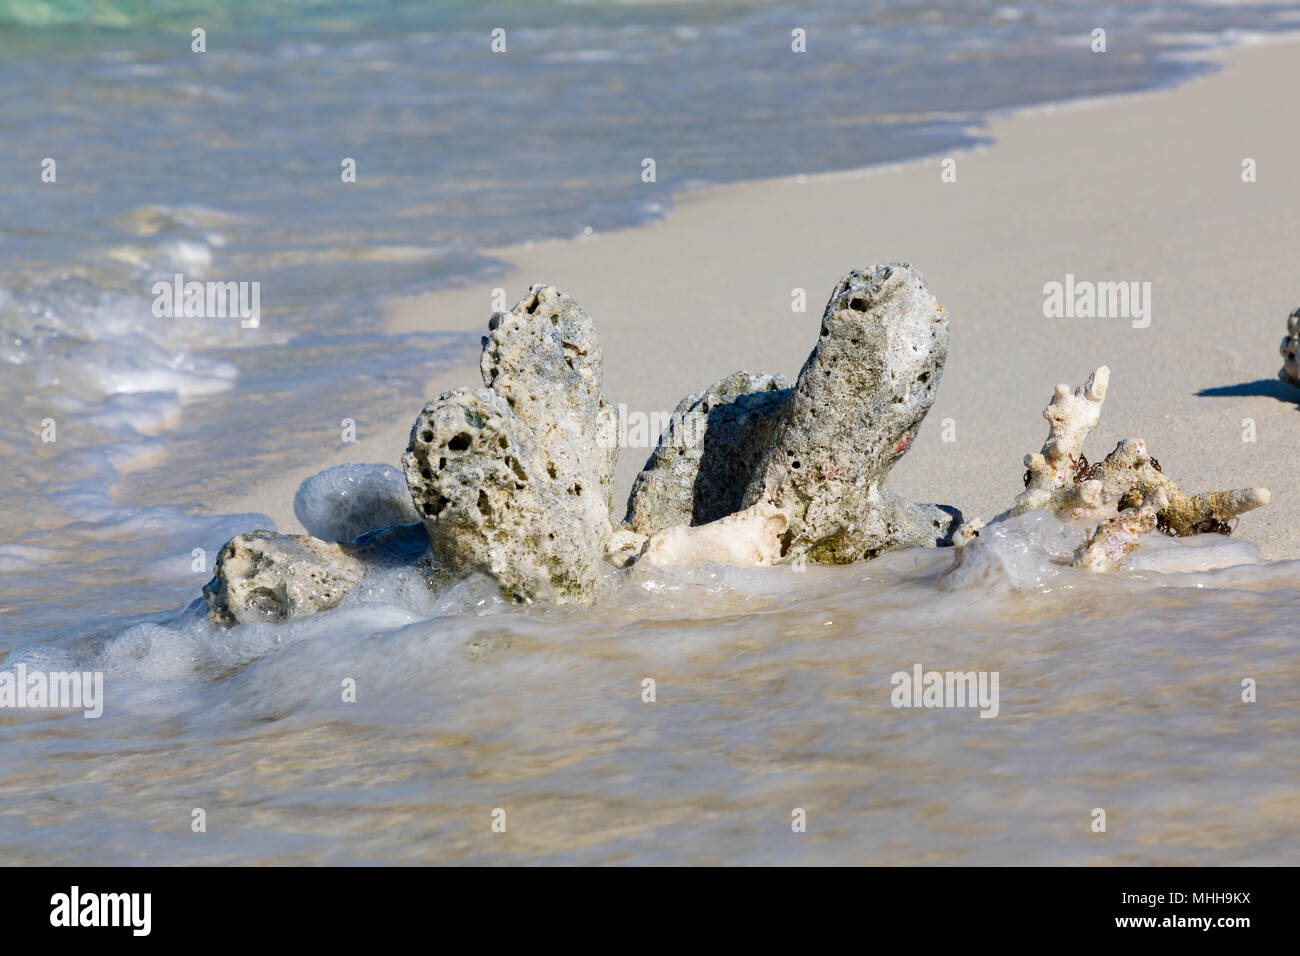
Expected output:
(1024, 553)
(1202, 552)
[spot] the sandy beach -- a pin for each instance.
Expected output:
(1118, 190)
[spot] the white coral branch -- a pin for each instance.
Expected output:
(749, 538)
(1071, 417)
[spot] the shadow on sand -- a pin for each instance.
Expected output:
(1267, 387)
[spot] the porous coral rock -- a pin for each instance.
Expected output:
(494, 501)
(1290, 371)
(702, 464)
(543, 358)
(856, 406)
(819, 452)
(267, 576)
(515, 479)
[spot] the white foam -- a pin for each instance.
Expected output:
(345, 502)
(1202, 552)
(1024, 553)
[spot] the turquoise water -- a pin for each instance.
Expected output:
(225, 165)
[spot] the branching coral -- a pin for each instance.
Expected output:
(1126, 492)
(1106, 547)
(1129, 476)
(1052, 479)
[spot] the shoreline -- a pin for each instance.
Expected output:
(1080, 188)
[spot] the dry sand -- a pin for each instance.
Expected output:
(1144, 188)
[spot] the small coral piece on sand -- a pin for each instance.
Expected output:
(1052, 476)
(1128, 476)
(749, 538)
(1290, 371)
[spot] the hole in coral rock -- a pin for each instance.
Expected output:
(794, 464)
(425, 472)
(503, 441)
(459, 442)
(858, 304)
(484, 506)
(550, 469)
(426, 435)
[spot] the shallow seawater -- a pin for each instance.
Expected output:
(772, 687)
(772, 691)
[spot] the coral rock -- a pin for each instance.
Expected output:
(1290, 371)
(1115, 539)
(704, 460)
(1127, 492)
(817, 452)
(515, 479)
(265, 576)
(542, 357)
(749, 538)
(854, 411)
